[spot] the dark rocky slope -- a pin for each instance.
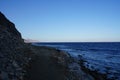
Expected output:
(14, 53)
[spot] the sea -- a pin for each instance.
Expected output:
(103, 57)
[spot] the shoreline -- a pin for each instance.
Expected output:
(22, 61)
(63, 60)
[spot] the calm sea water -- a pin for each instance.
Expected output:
(103, 57)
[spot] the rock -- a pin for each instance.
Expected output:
(13, 54)
(9, 26)
(3, 76)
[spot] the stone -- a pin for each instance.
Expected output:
(12, 51)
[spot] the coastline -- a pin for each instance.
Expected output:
(61, 62)
(24, 61)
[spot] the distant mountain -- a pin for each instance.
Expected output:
(30, 40)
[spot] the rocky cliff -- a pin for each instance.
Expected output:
(14, 53)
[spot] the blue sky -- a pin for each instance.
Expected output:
(65, 20)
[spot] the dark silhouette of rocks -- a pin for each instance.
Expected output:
(13, 51)
(9, 25)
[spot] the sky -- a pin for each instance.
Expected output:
(65, 20)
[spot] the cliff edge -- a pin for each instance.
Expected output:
(13, 54)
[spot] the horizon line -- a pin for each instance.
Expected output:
(78, 42)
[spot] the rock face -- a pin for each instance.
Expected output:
(12, 51)
(9, 26)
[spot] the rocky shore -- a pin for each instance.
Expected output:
(53, 64)
(21, 61)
